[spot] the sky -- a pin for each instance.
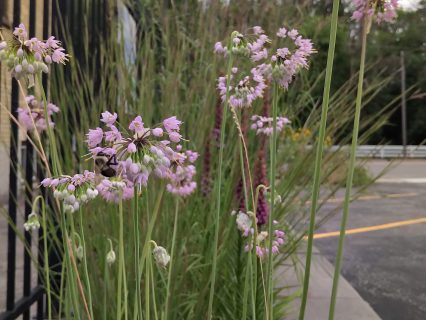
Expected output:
(409, 4)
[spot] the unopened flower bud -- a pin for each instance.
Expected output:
(30, 68)
(110, 257)
(261, 237)
(161, 256)
(44, 68)
(32, 222)
(18, 68)
(147, 159)
(57, 194)
(79, 252)
(20, 53)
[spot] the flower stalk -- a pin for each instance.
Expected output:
(350, 174)
(219, 191)
(319, 154)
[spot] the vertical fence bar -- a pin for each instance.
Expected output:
(29, 162)
(13, 183)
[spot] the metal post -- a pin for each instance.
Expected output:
(403, 106)
(13, 183)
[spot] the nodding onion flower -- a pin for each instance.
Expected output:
(261, 240)
(73, 190)
(26, 57)
(125, 159)
(263, 125)
(32, 116)
(259, 65)
(380, 10)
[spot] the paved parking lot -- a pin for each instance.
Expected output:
(385, 257)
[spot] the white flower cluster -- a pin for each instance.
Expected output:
(71, 202)
(32, 222)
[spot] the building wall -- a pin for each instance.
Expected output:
(6, 20)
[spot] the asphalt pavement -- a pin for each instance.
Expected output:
(385, 251)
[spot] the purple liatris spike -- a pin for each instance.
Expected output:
(217, 123)
(240, 196)
(262, 211)
(205, 178)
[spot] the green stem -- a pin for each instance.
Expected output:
(105, 290)
(319, 154)
(273, 156)
(350, 176)
(69, 270)
(147, 283)
(46, 263)
(121, 263)
(138, 306)
(218, 191)
(172, 255)
(56, 164)
(86, 272)
(154, 303)
(151, 223)
(249, 261)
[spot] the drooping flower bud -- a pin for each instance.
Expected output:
(110, 257)
(32, 222)
(161, 256)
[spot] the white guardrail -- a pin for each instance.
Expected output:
(386, 151)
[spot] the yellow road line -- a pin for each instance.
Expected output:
(377, 197)
(372, 228)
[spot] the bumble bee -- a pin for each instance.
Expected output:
(12, 40)
(103, 164)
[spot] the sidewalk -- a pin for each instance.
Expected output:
(350, 305)
(398, 171)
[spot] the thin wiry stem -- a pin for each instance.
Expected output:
(273, 152)
(351, 170)
(319, 154)
(219, 192)
(86, 272)
(172, 257)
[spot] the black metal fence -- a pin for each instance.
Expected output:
(59, 16)
(20, 306)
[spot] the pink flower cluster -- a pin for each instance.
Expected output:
(262, 243)
(25, 56)
(244, 224)
(264, 125)
(32, 116)
(287, 62)
(279, 66)
(135, 153)
(73, 191)
(381, 10)
(242, 93)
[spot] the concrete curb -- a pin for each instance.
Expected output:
(350, 305)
